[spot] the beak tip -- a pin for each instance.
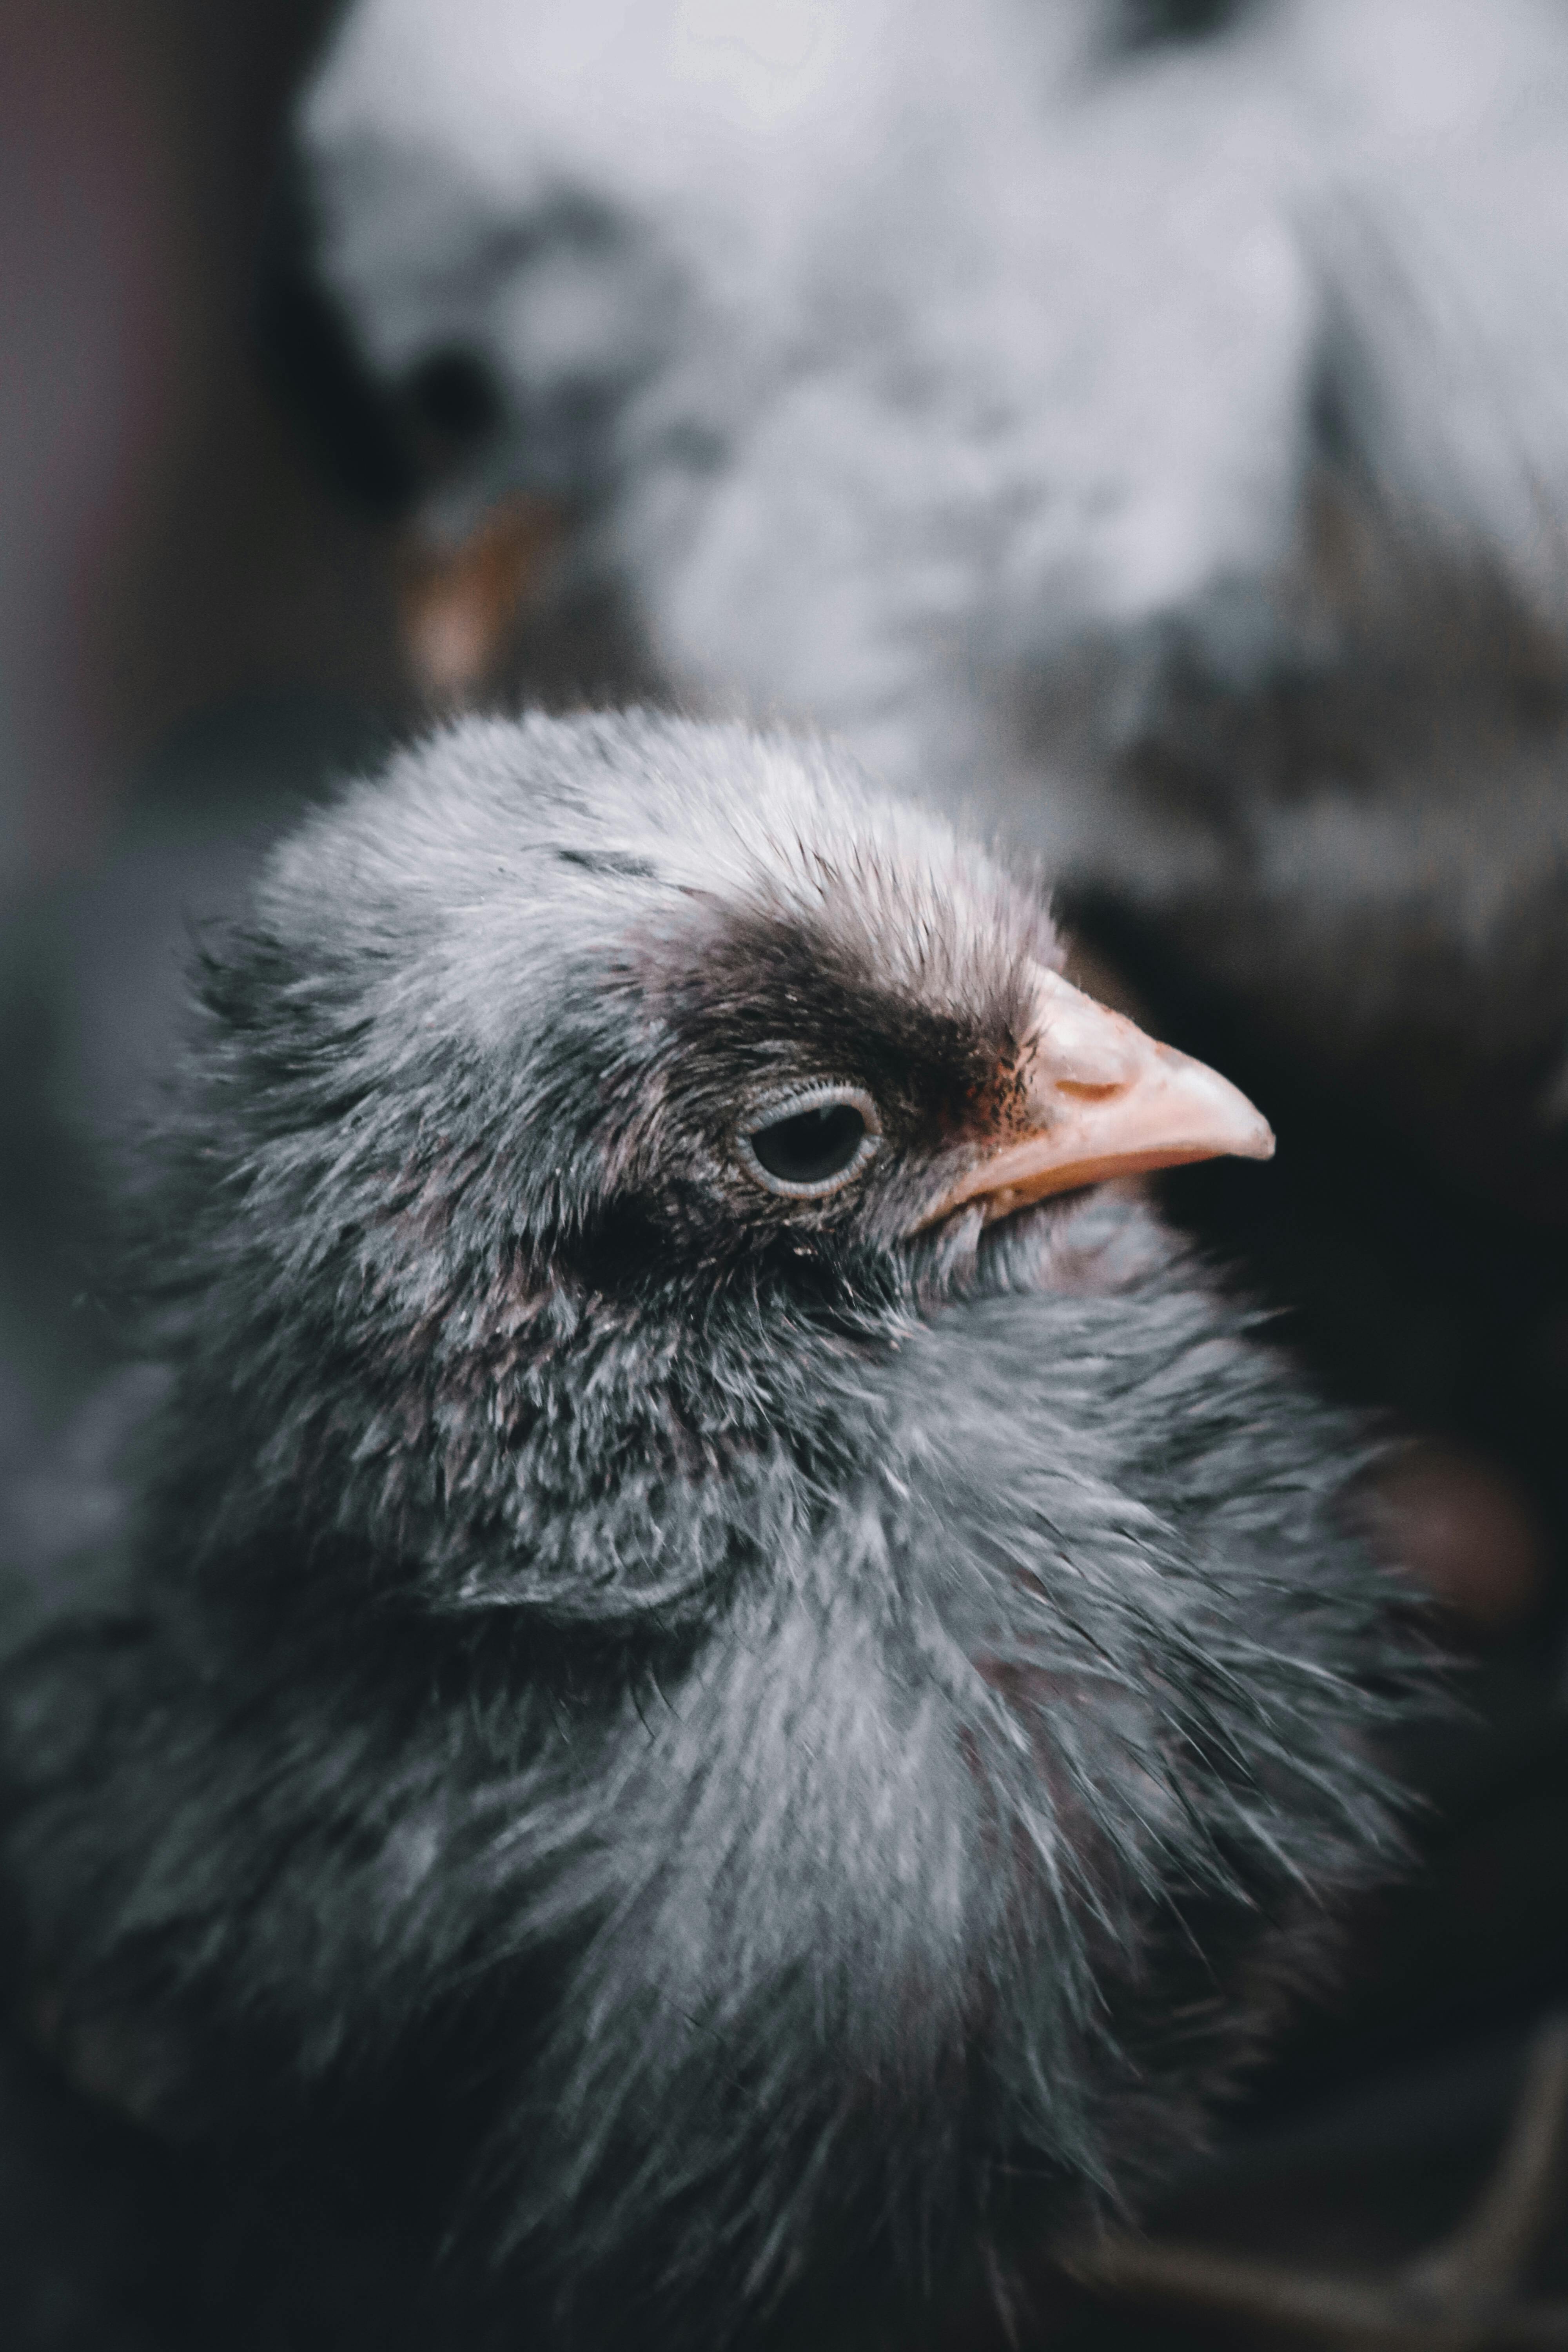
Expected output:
(1111, 1103)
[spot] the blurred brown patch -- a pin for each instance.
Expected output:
(460, 605)
(1465, 1529)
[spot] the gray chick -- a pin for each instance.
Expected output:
(713, 1688)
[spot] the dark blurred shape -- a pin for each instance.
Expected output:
(457, 399)
(313, 366)
(192, 631)
(94, 342)
(93, 995)
(161, 548)
(1144, 24)
(1465, 1530)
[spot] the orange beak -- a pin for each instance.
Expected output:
(460, 601)
(1095, 1098)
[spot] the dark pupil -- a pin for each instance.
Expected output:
(813, 1145)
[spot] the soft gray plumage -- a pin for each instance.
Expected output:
(724, 1754)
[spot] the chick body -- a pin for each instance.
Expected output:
(751, 1754)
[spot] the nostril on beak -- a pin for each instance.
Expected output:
(1080, 1047)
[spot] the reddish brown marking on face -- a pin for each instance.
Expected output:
(1004, 1111)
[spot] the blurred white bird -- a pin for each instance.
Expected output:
(1123, 422)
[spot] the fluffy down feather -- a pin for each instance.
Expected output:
(735, 1769)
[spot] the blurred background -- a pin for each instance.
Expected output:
(190, 622)
(247, 535)
(163, 548)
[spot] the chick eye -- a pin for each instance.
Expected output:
(813, 1143)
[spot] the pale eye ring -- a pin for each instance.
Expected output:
(809, 1143)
